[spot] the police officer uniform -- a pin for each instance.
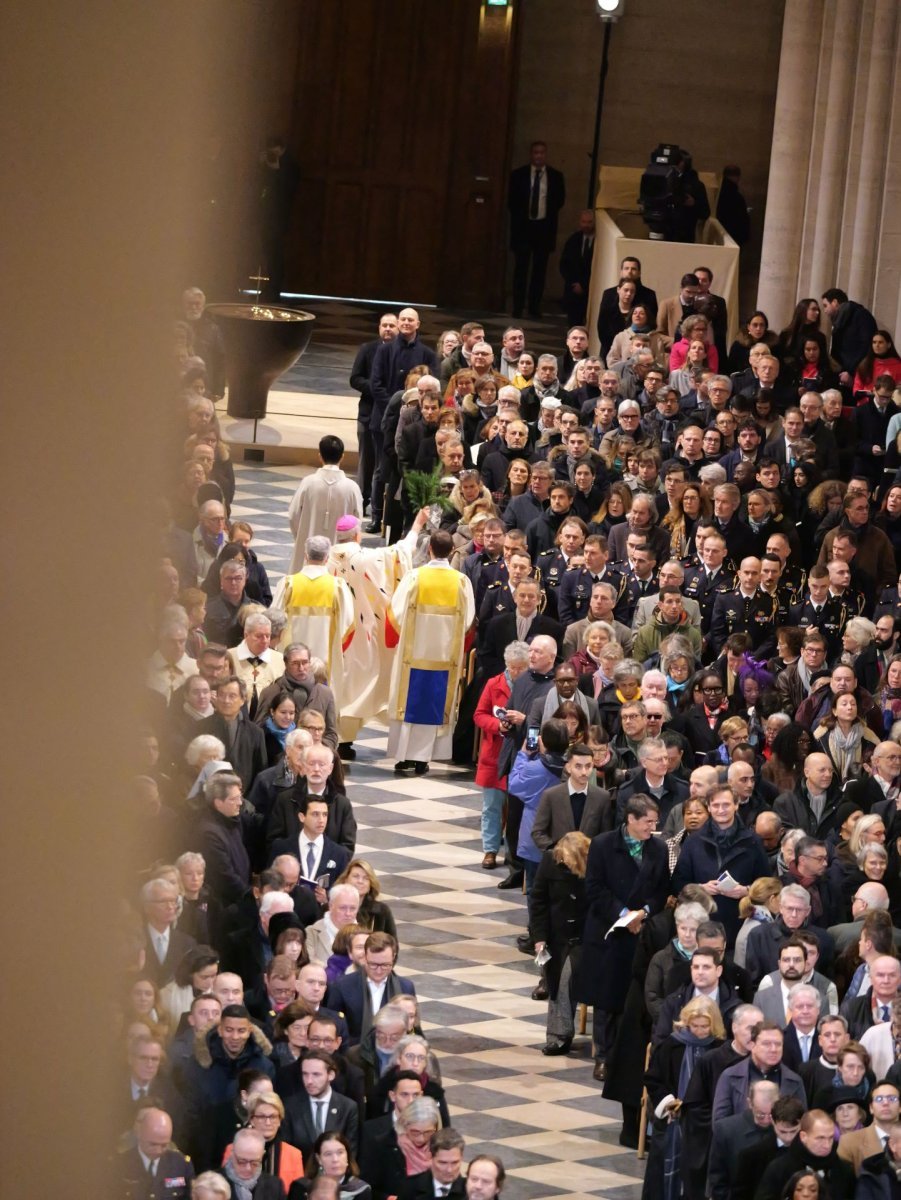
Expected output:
(703, 587)
(754, 615)
(169, 1177)
(633, 590)
(574, 594)
(830, 618)
(552, 566)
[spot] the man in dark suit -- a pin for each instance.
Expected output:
(382, 1162)
(653, 779)
(443, 1178)
(535, 196)
(575, 267)
(153, 1169)
(318, 855)
(753, 1160)
(504, 628)
(165, 946)
(349, 1080)
(318, 1106)
(361, 994)
(360, 374)
(573, 805)
(341, 826)
(735, 1134)
(731, 1095)
(244, 742)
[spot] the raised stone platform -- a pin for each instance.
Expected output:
(291, 429)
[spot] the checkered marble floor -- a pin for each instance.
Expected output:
(543, 1116)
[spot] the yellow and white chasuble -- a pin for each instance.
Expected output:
(427, 621)
(320, 614)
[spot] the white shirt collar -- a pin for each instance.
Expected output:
(244, 652)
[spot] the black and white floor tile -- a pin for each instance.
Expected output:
(543, 1116)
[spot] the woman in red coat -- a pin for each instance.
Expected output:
(492, 702)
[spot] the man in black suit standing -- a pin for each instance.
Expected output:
(735, 1134)
(443, 1178)
(574, 805)
(318, 855)
(536, 194)
(575, 267)
(360, 374)
(165, 945)
(318, 1107)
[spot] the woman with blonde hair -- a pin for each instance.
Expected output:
(556, 921)
(698, 1029)
(374, 914)
(759, 907)
(265, 1114)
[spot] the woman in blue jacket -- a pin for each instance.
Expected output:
(532, 773)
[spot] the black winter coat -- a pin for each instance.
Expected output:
(557, 915)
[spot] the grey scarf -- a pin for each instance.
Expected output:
(243, 1187)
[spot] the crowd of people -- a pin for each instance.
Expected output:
(654, 601)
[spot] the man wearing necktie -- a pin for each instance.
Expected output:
(575, 267)
(536, 194)
(153, 1169)
(444, 1175)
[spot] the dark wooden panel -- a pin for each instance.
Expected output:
(395, 116)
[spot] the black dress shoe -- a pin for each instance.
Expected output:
(628, 1138)
(421, 768)
(540, 993)
(512, 881)
(600, 1070)
(373, 527)
(557, 1047)
(525, 944)
(404, 767)
(346, 751)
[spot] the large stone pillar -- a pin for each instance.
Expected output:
(792, 132)
(838, 60)
(872, 172)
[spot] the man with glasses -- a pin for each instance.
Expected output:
(653, 777)
(361, 994)
(860, 1144)
(794, 683)
(878, 792)
(869, 897)
(809, 870)
(765, 941)
(165, 946)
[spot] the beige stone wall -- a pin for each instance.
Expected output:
(698, 74)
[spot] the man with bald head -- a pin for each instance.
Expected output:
(153, 1169)
(532, 685)
(868, 897)
(813, 804)
(392, 363)
(745, 609)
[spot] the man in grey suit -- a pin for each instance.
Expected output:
(764, 1062)
(772, 996)
(573, 805)
(735, 1134)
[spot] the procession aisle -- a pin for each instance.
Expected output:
(543, 1116)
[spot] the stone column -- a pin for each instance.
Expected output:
(838, 62)
(792, 132)
(871, 177)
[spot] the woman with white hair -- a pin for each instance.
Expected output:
(859, 652)
(412, 1053)
(680, 948)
